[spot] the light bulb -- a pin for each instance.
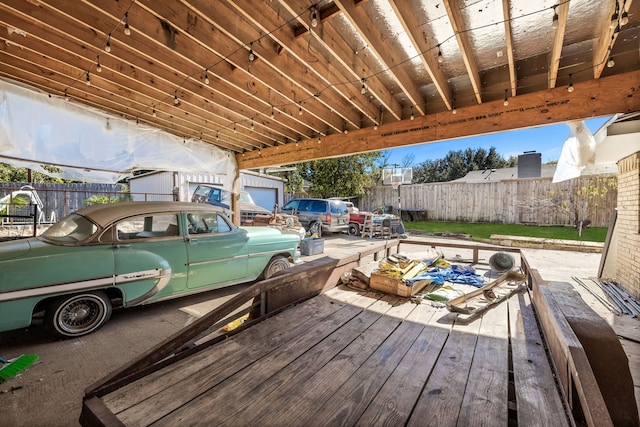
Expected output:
(570, 88)
(624, 19)
(127, 30)
(506, 102)
(614, 21)
(176, 101)
(300, 111)
(611, 63)
(154, 114)
(412, 117)
(314, 18)
(252, 57)
(98, 68)
(88, 80)
(440, 57)
(107, 46)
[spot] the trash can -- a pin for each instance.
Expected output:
(311, 246)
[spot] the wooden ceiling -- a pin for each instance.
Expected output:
(282, 81)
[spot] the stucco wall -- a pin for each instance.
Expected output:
(628, 250)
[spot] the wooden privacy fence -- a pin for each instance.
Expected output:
(518, 201)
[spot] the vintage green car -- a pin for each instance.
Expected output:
(130, 253)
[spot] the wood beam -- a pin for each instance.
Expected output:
(509, 46)
(366, 28)
(593, 98)
(602, 51)
(558, 38)
(464, 43)
(336, 46)
(409, 21)
(326, 74)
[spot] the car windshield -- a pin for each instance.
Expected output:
(72, 228)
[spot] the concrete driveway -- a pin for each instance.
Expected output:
(50, 392)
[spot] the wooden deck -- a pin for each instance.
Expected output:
(352, 357)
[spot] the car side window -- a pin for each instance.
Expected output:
(144, 227)
(207, 223)
(304, 206)
(291, 206)
(318, 206)
(339, 208)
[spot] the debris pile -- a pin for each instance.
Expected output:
(615, 299)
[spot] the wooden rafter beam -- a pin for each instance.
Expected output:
(358, 17)
(464, 44)
(593, 98)
(558, 38)
(509, 46)
(327, 75)
(411, 26)
(335, 44)
(602, 52)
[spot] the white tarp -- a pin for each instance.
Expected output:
(578, 151)
(88, 145)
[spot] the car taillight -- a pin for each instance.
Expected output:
(327, 218)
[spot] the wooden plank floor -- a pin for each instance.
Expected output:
(351, 357)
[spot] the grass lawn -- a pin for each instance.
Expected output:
(484, 231)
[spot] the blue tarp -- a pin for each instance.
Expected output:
(455, 274)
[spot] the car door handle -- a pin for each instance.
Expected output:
(122, 246)
(192, 240)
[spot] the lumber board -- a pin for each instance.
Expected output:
(570, 361)
(395, 400)
(239, 386)
(534, 382)
(486, 395)
(353, 397)
(604, 352)
(146, 396)
(441, 399)
(274, 393)
(304, 398)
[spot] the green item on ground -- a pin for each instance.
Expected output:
(13, 367)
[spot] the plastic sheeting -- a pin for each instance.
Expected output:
(88, 145)
(578, 151)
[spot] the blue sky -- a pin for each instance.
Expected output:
(547, 140)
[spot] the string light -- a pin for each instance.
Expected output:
(206, 76)
(440, 57)
(554, 21)
(127, 29)
(412, 116)
(610, 62)
(153, 113)
(453, 107)
(506, 99)
(614, 18)
(273, 115)
(251, 125)
(98, 66)
(363, 88)
(252, 56)
(314, 16)
(88, 80)
(234, 128)
(300, 110)
(107, 46)
(176, 101)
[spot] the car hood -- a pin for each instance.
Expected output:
(16, 248)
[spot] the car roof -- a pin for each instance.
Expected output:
(105, 214)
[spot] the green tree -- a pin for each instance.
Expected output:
(457, 164)
(337, 177)
(10, 173)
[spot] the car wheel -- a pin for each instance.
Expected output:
(316, 228)
(277, 263)
(353, 230)
(79, 314)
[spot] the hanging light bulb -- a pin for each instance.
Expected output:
(506, 99)
(217, 136)
(440, 57)
(614, 19)
(252, 56)
(570, 86)
(206, 76)
(624, 19)
(554, 21)
(314, 16)
(412, 116)
(453, 107)
(88, 80)
(98, 67)
(153, 113)
(273, 115)
(300, 110)
(127, 29)
(107, 46)
(176, 101)
(252, 125)
(611, 63)
(363, 88)
(234, 128)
